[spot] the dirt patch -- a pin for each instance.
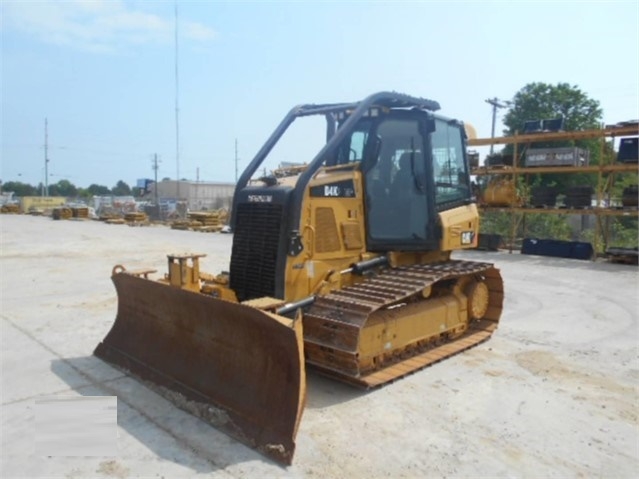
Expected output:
(548, 365)
(614, 400)
(114, 469)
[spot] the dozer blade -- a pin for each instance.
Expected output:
(236, 367)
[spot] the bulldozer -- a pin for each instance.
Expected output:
(342, 265)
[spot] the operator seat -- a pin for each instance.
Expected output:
(404, 181)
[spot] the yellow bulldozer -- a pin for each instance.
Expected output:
(342, 265)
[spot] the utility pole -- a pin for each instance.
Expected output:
(496, 103)
(236, 160)
(45, 191)
(197, 186)
(155, 186)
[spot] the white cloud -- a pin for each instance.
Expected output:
(197, 31)
(96, 25)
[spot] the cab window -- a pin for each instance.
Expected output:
(352, 149)
(449, 169)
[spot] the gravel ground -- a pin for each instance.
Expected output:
(554, 393)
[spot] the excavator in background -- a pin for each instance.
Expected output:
(343, 265)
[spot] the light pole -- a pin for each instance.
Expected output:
(236, 161)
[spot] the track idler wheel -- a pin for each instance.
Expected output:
(478, 299)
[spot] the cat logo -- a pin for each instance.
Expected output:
(331, 190)
(467, 237)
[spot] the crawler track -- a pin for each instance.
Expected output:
(333, 324)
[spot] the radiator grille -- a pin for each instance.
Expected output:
(326, 238)
(255, 249)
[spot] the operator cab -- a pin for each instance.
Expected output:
(413, 166)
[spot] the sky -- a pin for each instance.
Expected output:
(103, 74)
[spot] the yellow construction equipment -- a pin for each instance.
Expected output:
(343, 264)
(501, 191)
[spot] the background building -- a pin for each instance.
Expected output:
(201, 195)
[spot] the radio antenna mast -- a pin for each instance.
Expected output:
(177, 110)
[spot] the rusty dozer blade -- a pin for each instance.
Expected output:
(236, 367)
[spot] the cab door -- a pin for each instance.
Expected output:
(398, 181)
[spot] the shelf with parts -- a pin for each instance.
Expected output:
(606, 174)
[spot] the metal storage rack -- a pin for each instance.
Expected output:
(605, 175)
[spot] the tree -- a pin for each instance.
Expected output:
(64, 188)
(20, 189)
(121, 189)
(84, 193)
(52, 190)
(98, 190)
(539, 101)
(536, 225)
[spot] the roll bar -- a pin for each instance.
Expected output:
(334, 138)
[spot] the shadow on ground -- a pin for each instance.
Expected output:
(169, 432)
(322, 391)
(160, 426)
